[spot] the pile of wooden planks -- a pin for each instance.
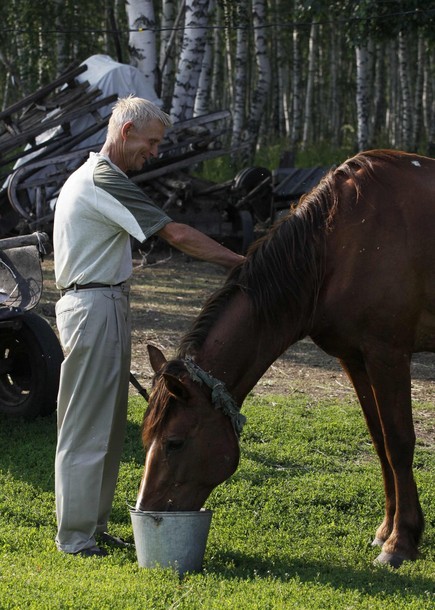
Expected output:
(38, 152)
(49, 112)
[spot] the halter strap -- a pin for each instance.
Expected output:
(220, 396)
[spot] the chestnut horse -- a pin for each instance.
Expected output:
(353, 267)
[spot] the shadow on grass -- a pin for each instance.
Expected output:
(27, 449)
(372, 580)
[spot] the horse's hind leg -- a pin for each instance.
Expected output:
(360, 381)
(389, 374)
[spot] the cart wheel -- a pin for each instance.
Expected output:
(254, 184)
(30, 359)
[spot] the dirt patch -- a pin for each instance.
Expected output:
(168, 294)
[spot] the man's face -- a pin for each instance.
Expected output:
(141, 145)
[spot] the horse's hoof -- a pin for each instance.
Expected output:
(392, 559)
(378, 542)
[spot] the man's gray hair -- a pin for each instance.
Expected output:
(138, 110)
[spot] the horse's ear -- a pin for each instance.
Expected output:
(156, 357)
(176, 387)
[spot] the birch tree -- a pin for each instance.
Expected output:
(369, 73)
(379, 99)
(190, 62)
(429, 101)
(335, 93)
(360, 35)
(363, 93)
(309, 90)
(418, 93)
(281, 70)
(218, 93)
(406, 99)
(142, 39)
(392, 126)
(296, 90)
(229, 10)
(202, 99)
(170, 22)
(261, 88)
(240, 73)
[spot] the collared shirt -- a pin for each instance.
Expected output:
(97, 211)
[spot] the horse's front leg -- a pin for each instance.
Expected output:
(357, 374)
(391, 382)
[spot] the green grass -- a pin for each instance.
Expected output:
(291, 529)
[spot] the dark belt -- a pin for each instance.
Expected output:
(88, 286)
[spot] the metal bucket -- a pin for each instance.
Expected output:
(171, 539)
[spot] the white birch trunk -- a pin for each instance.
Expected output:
(377, 126)
(142, 39)
(282, 72)
(228, 49)
(363, 90)
(172, 15)
(166, 54)
(407, 109)
(260, 91)
(202, 99)
(167, 22)
(240, 79)
(309, 91)
(218, 99)
(429, 102)
(190, 63)
(418, 93)
(394, 108)
(334, 93)
(296, 118)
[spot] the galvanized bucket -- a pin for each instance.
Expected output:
(171, 539)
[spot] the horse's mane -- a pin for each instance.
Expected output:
(159, 401)
(283, 270)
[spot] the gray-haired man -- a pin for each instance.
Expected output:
(97, 212)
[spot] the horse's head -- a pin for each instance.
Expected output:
(191, 446)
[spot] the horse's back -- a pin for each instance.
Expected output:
(380, 253)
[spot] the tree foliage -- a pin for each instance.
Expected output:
(302, 79)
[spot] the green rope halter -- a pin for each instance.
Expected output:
(220, 396)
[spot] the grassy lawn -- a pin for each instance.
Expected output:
(291, 529)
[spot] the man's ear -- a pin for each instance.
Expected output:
(125, 129)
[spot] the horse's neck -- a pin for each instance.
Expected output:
(238, 351)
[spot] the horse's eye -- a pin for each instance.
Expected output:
(174, 444)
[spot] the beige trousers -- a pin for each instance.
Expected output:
(95, 332)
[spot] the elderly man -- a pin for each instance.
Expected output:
(98, 210)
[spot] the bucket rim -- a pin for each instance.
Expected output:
(171, 513)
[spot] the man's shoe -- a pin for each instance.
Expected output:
(92, 551)
(107, 538)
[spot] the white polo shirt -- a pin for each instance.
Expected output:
(97, 211)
